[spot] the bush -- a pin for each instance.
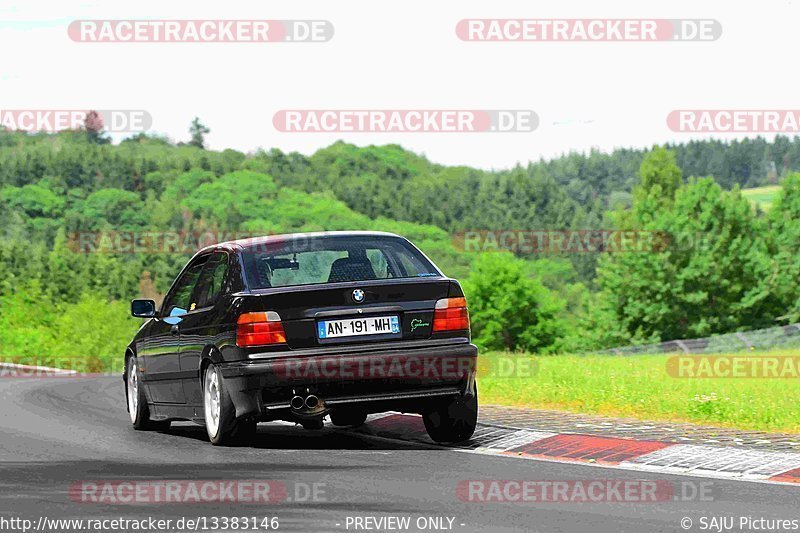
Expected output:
(510, 310)
(89, 335)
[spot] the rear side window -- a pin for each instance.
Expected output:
(181, 294)
(332, 259)
(210, 285)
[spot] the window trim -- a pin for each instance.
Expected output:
(247, 262)
(226, 261)
(192, 262)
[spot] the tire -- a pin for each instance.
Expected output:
(220, 415)
(454, 421)
(138, 408)
(348, 418)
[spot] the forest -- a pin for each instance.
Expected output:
(725, 264)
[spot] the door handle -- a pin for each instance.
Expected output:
(174, 330)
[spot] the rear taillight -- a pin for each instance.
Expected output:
(451, 314)
(259, 329)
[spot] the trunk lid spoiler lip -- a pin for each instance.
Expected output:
(359, 310)
(343, 285)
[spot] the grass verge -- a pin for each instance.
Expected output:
(641, 387)
(763, 196)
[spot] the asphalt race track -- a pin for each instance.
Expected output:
(55, 432)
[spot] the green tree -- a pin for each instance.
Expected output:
(34, 200)
(232, 199)
(705, 278)
(784, 240)
(660, 177)
(198, 131)
(63, 280)
(509, 309)
(115, 208)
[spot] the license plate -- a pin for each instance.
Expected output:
(352, 327)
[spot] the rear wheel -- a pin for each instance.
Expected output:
(220, 415)
(137, 402)
(454, 421)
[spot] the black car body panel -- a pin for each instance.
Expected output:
(175, 346)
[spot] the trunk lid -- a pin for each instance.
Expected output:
(353, 312)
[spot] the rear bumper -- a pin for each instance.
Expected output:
(372, 381)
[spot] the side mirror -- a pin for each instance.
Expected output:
(143, 308)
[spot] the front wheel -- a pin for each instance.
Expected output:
(137, 402)
(220, 415)
(454, 421)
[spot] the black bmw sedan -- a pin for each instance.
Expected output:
(300, 327)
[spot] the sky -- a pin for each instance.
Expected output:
(406, 55)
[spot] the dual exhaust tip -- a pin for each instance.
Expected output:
(309, 402)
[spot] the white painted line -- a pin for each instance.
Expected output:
(483, 436)
(518, 438)
(633, 467)
(36, 369)
(723, 461)
(692, 460)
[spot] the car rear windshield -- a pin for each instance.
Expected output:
(301, 260)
